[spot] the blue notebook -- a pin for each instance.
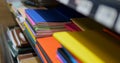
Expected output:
(68, 12)
(66, 56)
(50, 15)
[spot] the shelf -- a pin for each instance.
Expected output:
(5, 54)
(105, 12)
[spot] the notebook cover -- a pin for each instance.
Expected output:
(27, 27)
(40, 53)
(61, 58)
(68, 12)
(48, 27)
(58, 57)
(87, 24)
(29, 37)
(32, 42)
(30, 20)
(51, 30)
(69, 55)
(66, 56)
(72, 44)
(48, 59)
(90, 46)
(50, 45)
(50, 24)
(47, 33)
(38, 15)
(31, 28)
(72, 27)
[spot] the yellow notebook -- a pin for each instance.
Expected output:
(87, 24)
(27, 27)
(90, 46)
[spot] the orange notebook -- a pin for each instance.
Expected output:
(50, 46)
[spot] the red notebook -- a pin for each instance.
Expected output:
(50, 46)
(72, 27)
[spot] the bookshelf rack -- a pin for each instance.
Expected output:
(105, 12)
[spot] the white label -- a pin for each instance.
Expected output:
(84, 7)
(117, 26)
(106, 15)
(64, 1)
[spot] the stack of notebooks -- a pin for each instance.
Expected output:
(90, 46)
(43, 23)
(17, 42)
(51, 51)
(40, 24)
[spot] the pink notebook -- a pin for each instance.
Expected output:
(72, 27)
(30, 20)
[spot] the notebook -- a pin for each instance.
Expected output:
(40, 53)
(50, 46)
(30, 20)
(68, 12)
(72, 27)
(29, 30)
(51, 15)
(61, 58)
(29, 37)
(65, 56)
(90, 46)
(48, 59)
(87, 24)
